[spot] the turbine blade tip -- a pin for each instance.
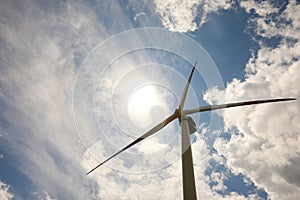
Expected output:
(195, 65)
(87, 173)
(290, 99)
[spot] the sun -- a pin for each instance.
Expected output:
(140, 104)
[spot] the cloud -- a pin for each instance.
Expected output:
(42, 44)
(5, 194)
(264, 138)
(181, 15)
(162, 183)
(42, 47)
(43, 196)
(263, 8)
(138, 16)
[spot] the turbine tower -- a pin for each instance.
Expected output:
(186, 123)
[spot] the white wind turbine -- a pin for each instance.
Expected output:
(187, 127)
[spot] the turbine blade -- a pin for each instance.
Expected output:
(184, 94)
(229, 105)
(147, 134)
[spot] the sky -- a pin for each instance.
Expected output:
(80, 80)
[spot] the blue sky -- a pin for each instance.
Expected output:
(70, 70)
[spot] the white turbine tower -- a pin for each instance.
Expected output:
(187, 126)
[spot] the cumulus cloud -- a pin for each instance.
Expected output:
(262, 9)
(182, 15)
(264, 138)
(5, 194)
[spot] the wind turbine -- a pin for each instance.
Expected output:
(186, 122)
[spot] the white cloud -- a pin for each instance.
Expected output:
(263, 8)
(181, 15)
(41, 47)
(162, 183)
(218, 178)
(5, 194)
(266, 146)
(271, 21)
(41, 53)
(43, 196)
(138, 16)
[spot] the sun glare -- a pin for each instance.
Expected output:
(140, 103)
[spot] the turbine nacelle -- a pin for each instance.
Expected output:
(192, 124)
(181, 115)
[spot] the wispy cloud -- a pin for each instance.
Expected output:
(42, 196)
(42, 47)
(39, 56)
